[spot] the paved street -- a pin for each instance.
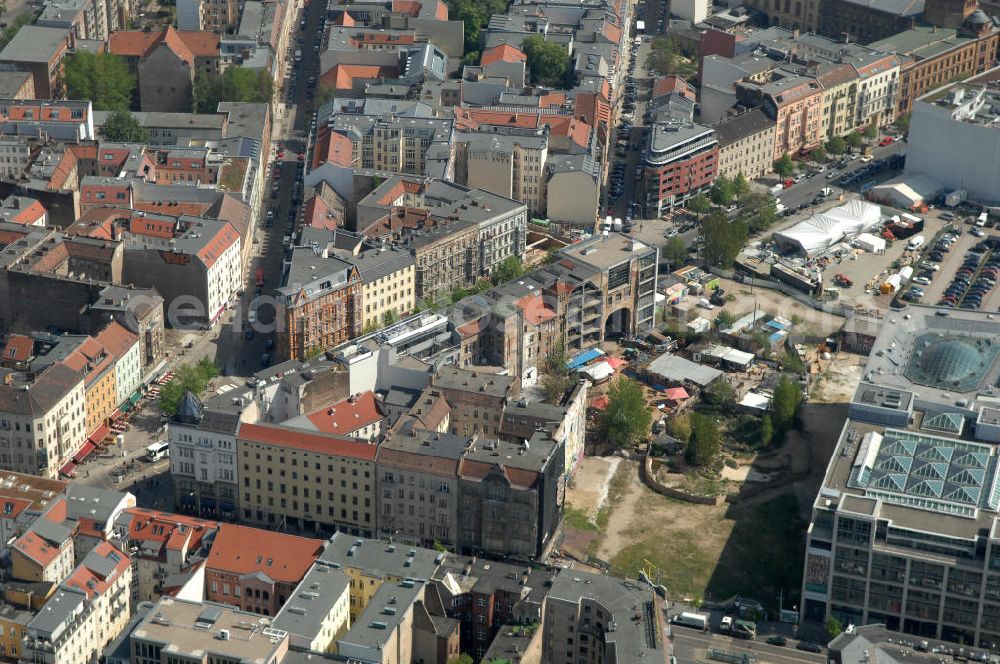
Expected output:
(692, 646)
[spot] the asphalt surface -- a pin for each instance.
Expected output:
(692, 646)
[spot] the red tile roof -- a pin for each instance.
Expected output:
(89, 358)
(19, 348)
(242, 550)
(347, 416)
(186, 44)
(341, 77)
(335, 148)
(310, 442)
(92, 582)
(175, 531)
(35, 548)
(518, 477)
(213, 250)
(502, 53)
(535, 309)
(559, 125)
(117, 339)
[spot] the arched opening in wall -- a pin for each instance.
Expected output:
(618, 323)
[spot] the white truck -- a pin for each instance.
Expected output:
(915, 242)
(694, 620)
(618, 224)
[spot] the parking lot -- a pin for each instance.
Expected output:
(952, 262)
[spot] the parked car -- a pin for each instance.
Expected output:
(776, 640)
(809, 646)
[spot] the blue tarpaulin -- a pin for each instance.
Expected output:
(583, 358)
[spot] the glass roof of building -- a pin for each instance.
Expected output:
(950, 362)
(929, 472)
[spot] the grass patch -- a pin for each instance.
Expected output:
(764, 554)
(616, 489)
(761, 556)
(577, 519)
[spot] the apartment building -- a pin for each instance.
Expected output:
(418, 493)
(623, 621)
(90, 608)
(320, 302)
(318, 612)
(15, 155)
(388, 285)
(390, 144)
(194, 258)
(359, 416)
(795, 103)
(457, 235)
(477, 399)
(123, 347)
(903, 530)
(681, 159)
(14, 623)
(165, 63)
(746, 144)
(84, 19)
(485, 596)
(511, 496)
(43, 554)
(216, 632)
(256, 570)
(308, 481)
(161, 545)
(40, 51)
(28, 496)
(203, 457)
(510, 163)
(42, 427)
(92, 361)
(370, 564)
(933, 57)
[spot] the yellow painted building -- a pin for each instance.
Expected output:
(13, 627)
(388, 286)
(100, 389)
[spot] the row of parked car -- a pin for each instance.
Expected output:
(973, 281)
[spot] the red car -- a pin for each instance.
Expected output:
(886, 140)
(280, 155)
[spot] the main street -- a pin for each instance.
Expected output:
(692, 646)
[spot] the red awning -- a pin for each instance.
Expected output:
(600, 403)
(69, 470)
(677, 393)
(115, 415)
(615, 362)
(84, 450)
(99, 434)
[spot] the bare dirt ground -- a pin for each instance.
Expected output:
(588, 490)
(837, 379)
(812, 322)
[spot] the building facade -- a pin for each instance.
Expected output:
(746, 144)
(680, 161)
(203, 459)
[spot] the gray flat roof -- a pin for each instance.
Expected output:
(380, 558)
(675, 368)
(604, 252)
(33, 43)
(319, 591)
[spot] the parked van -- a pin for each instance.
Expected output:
(776, 189)
(705, 304)
(158, 450)
(916, 242)
(981, 220)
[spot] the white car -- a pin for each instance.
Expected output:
(866, 158)
(923, 281)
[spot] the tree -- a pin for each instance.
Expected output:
(547, 61)
(102, 78)
(680, 427)
(719, 394)
(741, 186)
(786, 401)
(324, 94)
(871, 132)
(675, 252)
(833, 627)
(509, 269)
(723, 239)
(555, 375)
(784, 166)
(471, 58)
(854, 140)
(461, 659)
(699, 204)
(766, 431)
(122, 127)
(235, 84)
(705, 440)
(722, 192)
(725, 319)
(187, 378)
(818, 154)
(903, 122)
(836, 145)
(662, 56)
(759, 212)
(475, 14)
(626, 421)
